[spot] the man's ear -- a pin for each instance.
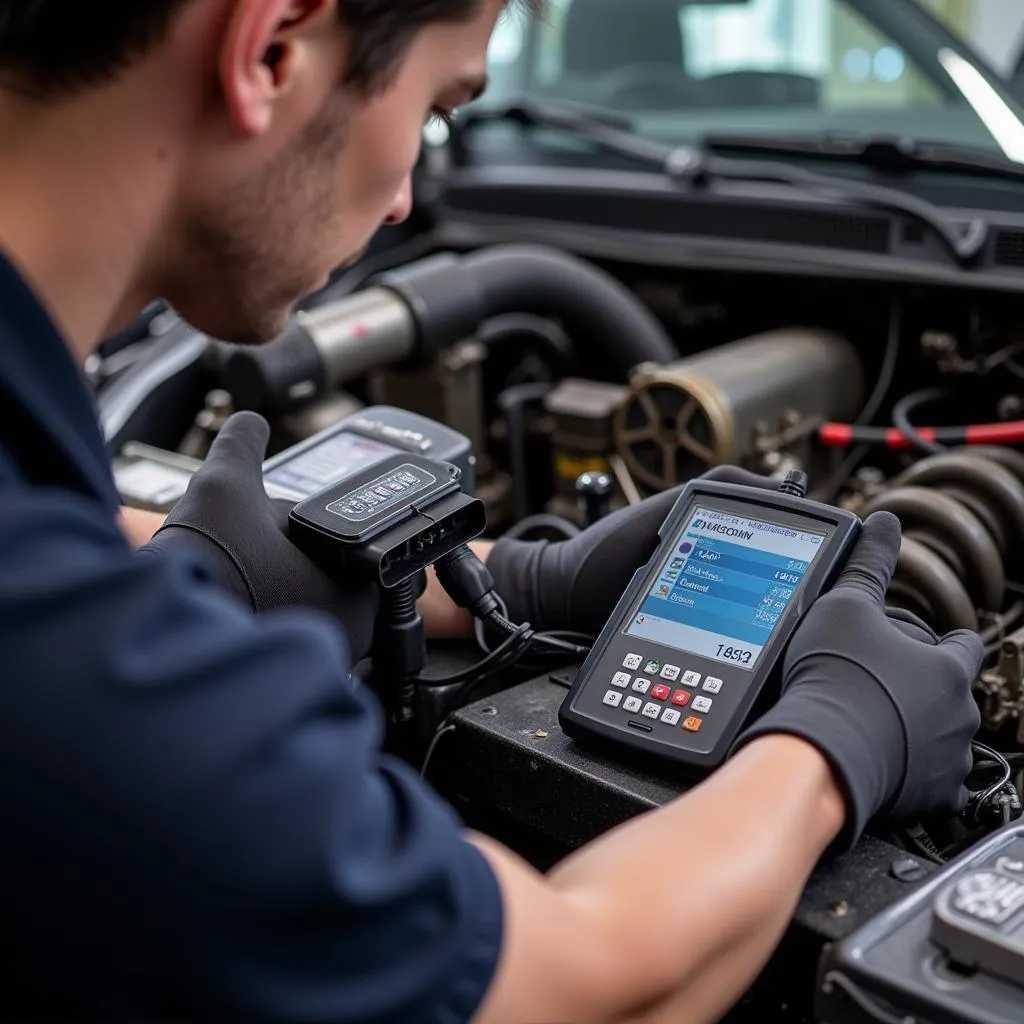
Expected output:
(258, 50)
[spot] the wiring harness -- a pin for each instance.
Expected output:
(470, 585)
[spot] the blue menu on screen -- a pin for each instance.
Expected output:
(724, 586)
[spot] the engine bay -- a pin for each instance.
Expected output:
(584, 386)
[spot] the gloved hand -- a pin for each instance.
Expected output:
(227, 520)
(879, 694)
(575, 584)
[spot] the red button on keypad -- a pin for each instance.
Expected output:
(659, 691)
(681, 697)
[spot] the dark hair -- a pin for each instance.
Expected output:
(53, 47)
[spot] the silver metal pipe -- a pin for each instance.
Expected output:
(359, 333)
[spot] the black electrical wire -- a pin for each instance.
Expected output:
(1009, 802)
(830, 489)
(559, 645)
(566, 684)
(828, 492)
(981, 799)
(1015, 761)
(901, 418)
(1003, 356)
(518, 656)
(503, 623)
(511, 657)
(479, 626)
(509, 653)
(489, 665)
(887, 370)
(428, 756)
(563, 641)
(467, 581)
(567, 640)
(552, 639)
(862, 999)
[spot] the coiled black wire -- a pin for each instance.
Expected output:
(901, 418)
(518, 643)
(989, 758)
(520, 640)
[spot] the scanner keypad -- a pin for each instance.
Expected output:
(660, 702)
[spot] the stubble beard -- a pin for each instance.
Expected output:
(250, 257)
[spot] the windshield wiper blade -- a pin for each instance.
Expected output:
(609, 131)
(698, 166)
(894, 154)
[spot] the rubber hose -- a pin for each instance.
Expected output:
(516, 330)
(929, 575)
(978, 562)
(998, 486)
(946, 553)
(596, 310)
(983, 512)
(900, 595)
(1008, 458)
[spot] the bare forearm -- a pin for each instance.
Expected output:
(442, 617)
(708, 997)
(720, 871)
(698, 892)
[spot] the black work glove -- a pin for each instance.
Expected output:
(879, 694)
(575, 584)
(226, 519)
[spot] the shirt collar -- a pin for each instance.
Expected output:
(39, 374)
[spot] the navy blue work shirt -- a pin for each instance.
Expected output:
(195, 818)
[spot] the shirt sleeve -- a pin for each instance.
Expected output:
(197, 816)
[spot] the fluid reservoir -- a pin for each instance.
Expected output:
(715, 407)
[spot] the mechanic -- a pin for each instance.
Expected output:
(198, 822)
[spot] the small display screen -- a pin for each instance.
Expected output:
(328, 462)
(724, 586)
(151, 482)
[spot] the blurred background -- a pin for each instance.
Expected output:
(840, 55)
(994, 27)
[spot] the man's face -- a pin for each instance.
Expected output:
(264, 219)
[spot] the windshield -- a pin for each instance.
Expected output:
(681, 69)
